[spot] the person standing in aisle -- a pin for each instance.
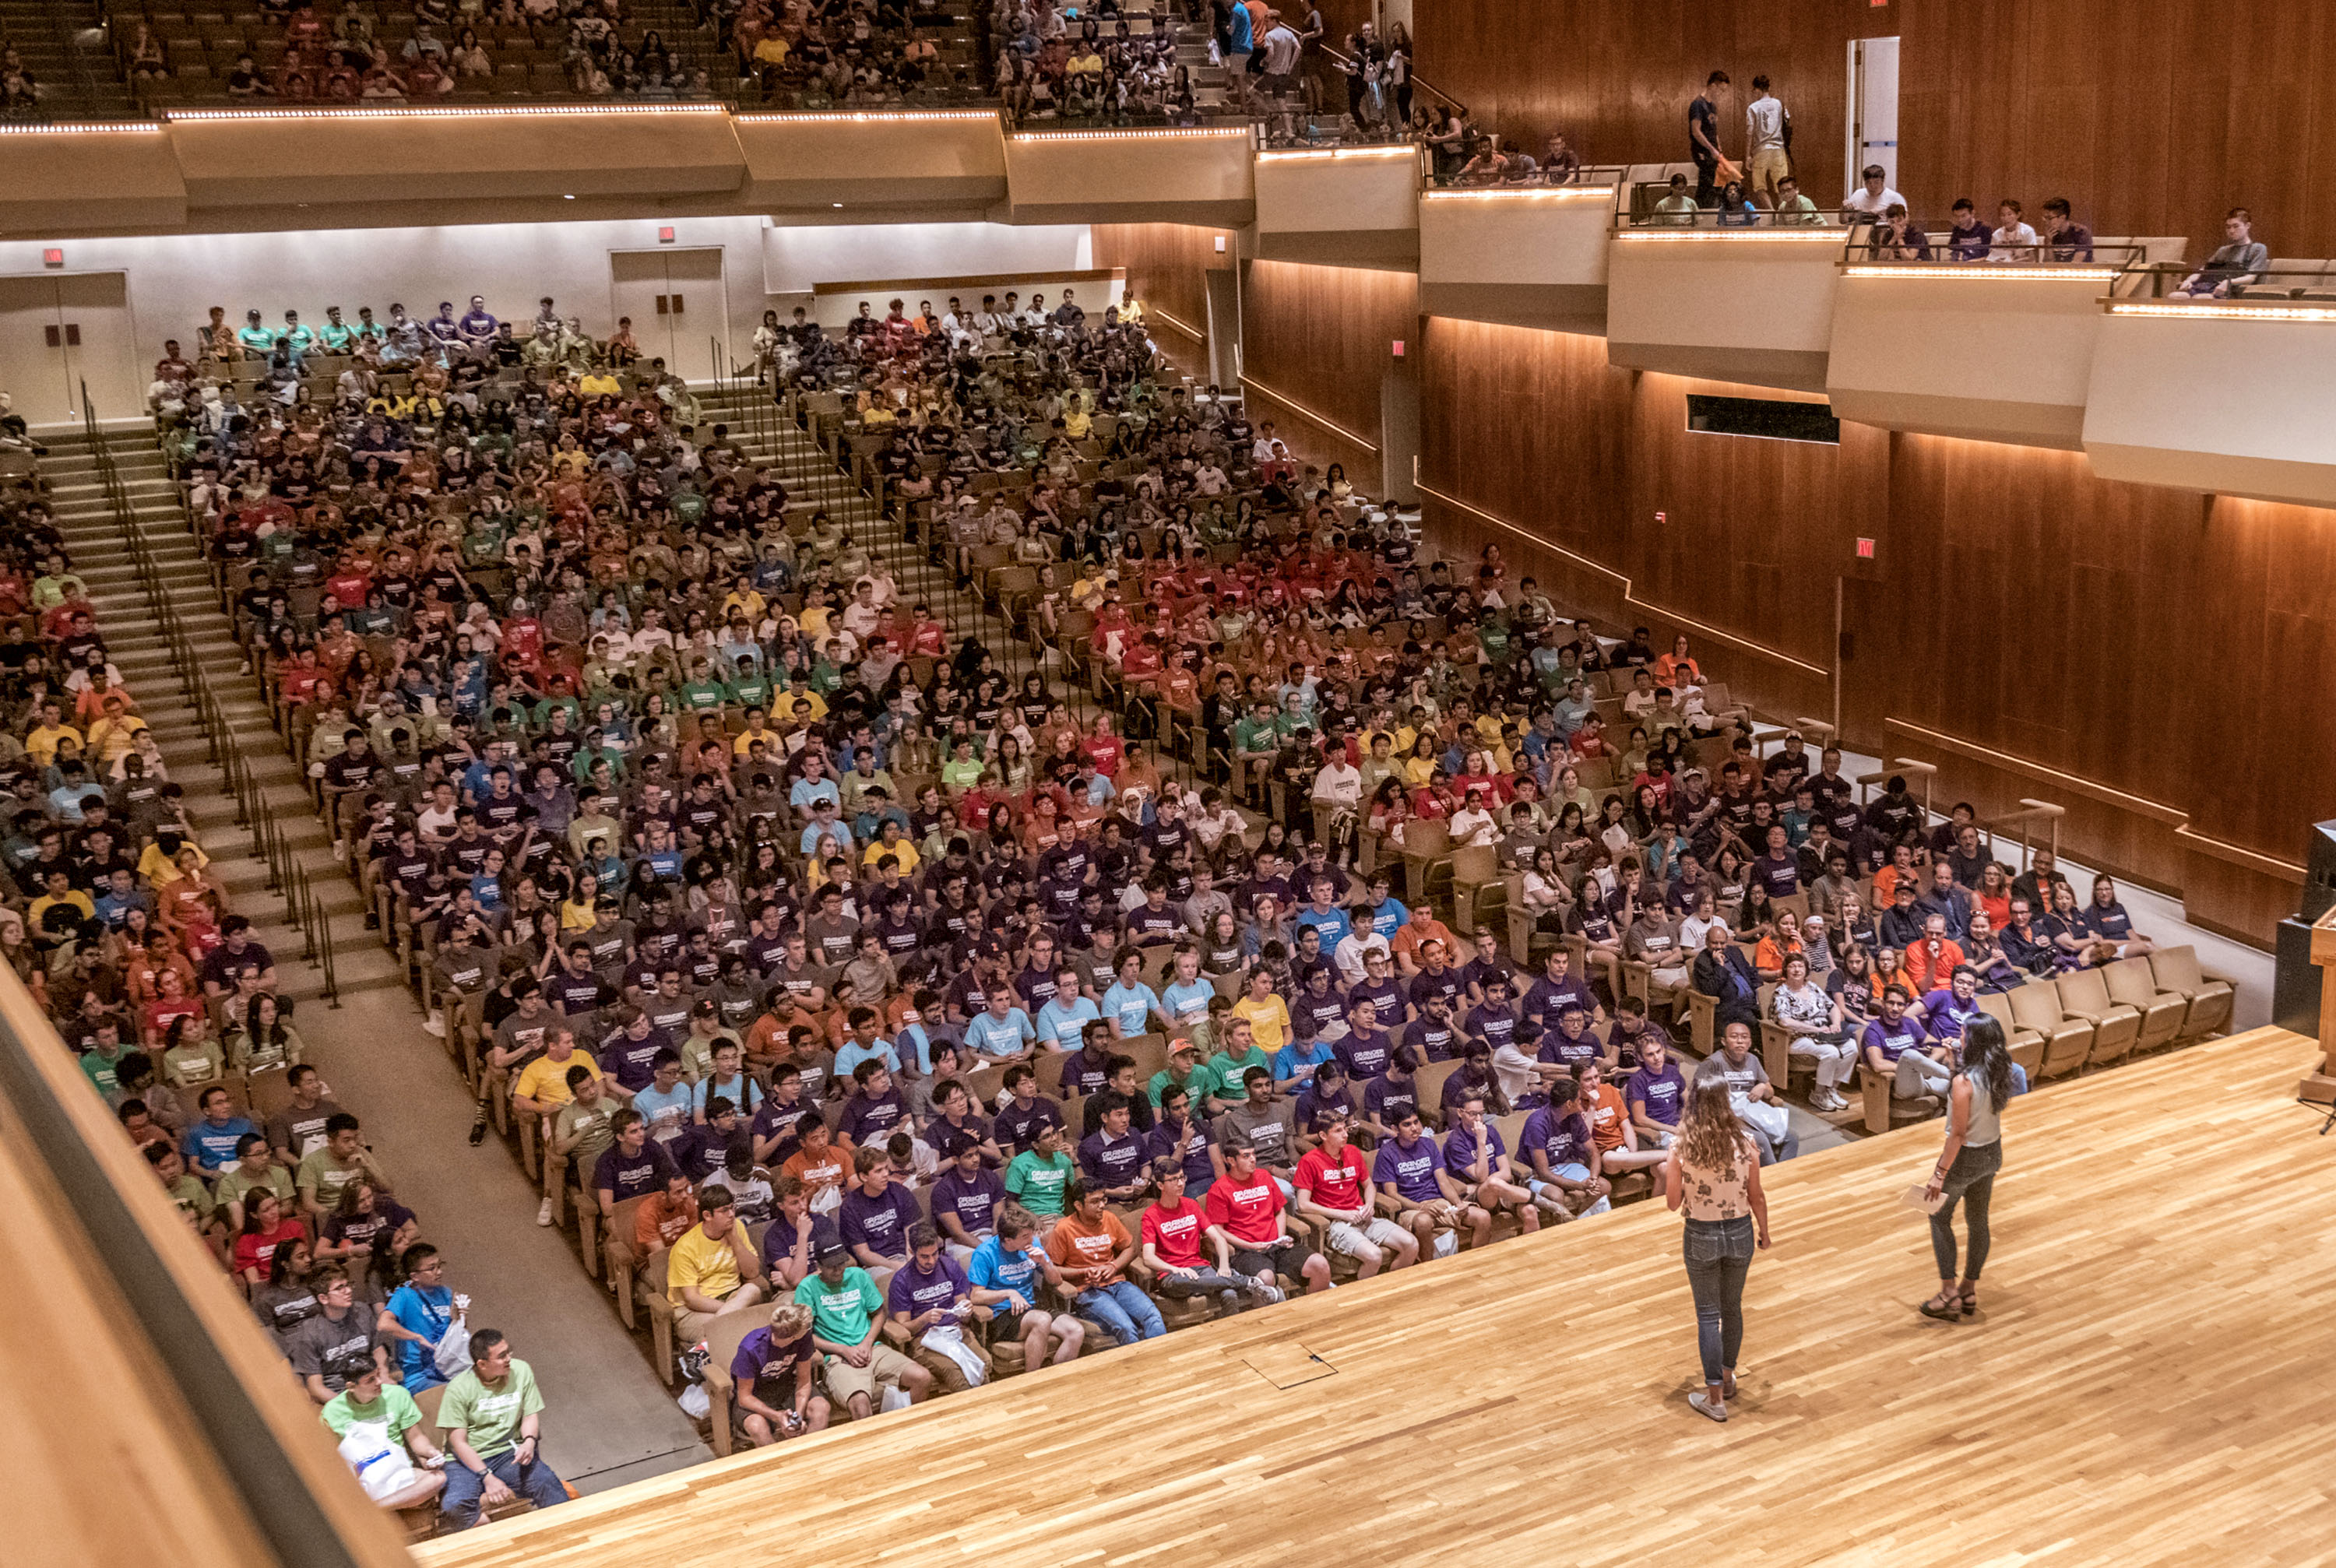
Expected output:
(1703, 137)
(1767, 143)
(1713, 1175)
(1966, 1165)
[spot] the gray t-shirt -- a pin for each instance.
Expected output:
(1266, 1128)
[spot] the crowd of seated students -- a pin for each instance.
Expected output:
(820, 54)
(359, 52)
(904, 1023)
(1087, 67)
(113, 919)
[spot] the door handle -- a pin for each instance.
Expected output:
(55, 339)
(72, 334)
(677, 305)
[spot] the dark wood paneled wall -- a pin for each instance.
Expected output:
(1167, 268)
(1617, 79)
(2150, 116)
(2139, 655)
(1323, 338)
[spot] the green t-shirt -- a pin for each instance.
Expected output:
(100, 1069)
(1228, 1071)
(323, 1175)
(1252, 735)
(593, 1123)
(750, 691)
(237, 1182)
(1037, 1184)
(490, 1417)
(1199, 1087)
(702, 694)
(396, 1407)
(193, 1198)
(840, 1314)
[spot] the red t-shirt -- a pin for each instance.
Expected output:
(1335, 1186)
(1247, 1212)
(1103, 751)
(1176, 1233)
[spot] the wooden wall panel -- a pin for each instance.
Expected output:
(2151, 117)
(1618, 79)
(1167, 265)
(2142, 656)
(1322, 338)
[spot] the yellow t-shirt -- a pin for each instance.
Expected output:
(600, 384)
(1268, 1022)
(699, 1262)
(545, 1081)
(904, 852)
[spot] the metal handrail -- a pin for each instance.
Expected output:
(284, 875)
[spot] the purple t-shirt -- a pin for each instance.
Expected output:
(1190, 1145)
(879, 1223)
(1546, 999)
(1892, 1044)
(1411, 1170)
(759, 1364)
(1460, 1149)
(1574, 1050)
(627, 1060)
(973, 1199)
(779, 1238)
(1665, 1092)
(867, 1121)
(913, 1292)
(1563, 1138)
(1364, 1056)
(1110, 1162)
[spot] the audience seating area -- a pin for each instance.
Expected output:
(841, 718)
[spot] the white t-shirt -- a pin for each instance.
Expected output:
(1282, 50)
(1863, 201)
(2013, 242)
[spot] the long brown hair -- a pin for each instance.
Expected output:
(1711, 1135)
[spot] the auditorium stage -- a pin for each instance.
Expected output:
(2150, 1377)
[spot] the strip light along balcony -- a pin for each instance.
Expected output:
(139, 126)
(1526, 193)
(2218, 311)
(1982, 270)
(1833, 236)
(481, 112)
(1326, 154)
(847, 117)
(1136, 133)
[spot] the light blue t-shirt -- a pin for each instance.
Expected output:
(667, 1114)
(1188, 1003)
(741, 1091)
(993, 1269)
(1333, 922)
(1131, 1006)
(991, 1036)
(854, 1054)
(1389, 918)
(1239, 33)
(805, 792)
(1059, 1025)
(1294, 1059)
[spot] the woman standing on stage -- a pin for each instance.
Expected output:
(1714, 1174)
(1966, 1165)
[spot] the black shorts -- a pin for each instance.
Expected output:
(1290, 1260)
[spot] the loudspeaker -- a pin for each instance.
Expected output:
(2295, 982)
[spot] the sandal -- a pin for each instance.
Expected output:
(1969, 1297)
(1946, 1306)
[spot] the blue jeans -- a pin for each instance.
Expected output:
(458, 1506)
(1719, 1254)
(1124, 1309)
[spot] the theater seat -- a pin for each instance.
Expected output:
(1882, 1108)
(2210, 995)
(2132, 983)
(2084, 994)
(2025, 1046)
(2068, 1041)
(722, 1343)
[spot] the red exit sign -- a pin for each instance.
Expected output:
(1865, 550)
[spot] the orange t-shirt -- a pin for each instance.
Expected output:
(1073, 1243)
(818, 1173)
(1926, 973)
(661, 1220)
(1604, 1110)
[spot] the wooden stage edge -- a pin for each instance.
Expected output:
(2150, 1375)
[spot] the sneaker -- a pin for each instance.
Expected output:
(479, 1128)
(1703, 1405)
(340, 849)
(1270, 1294)
(435, 1024)
(543, 1211)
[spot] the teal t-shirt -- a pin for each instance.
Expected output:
(842, 1313)
(1038, 1184)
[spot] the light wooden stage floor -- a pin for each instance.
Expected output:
(2152, 1376)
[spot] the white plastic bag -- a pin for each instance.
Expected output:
(453, 1356)
(948, 1339)
(695, 1402)
(382, 1466)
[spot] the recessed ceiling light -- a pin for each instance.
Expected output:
(567, 198)
(839, 205)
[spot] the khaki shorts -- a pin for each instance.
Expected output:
(885, 1366)
(1350, 1239)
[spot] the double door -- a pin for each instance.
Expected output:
(62, 331)
(678, 311)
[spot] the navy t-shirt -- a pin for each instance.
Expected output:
(879, 1223)
(973, 1199)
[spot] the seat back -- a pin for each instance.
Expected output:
(2177, 969)
(1425, 840)
(1429, 1085)
(2036, 1006)
(2131, 981)
(1476, 865)
(1998, 1006)
(2084, 991)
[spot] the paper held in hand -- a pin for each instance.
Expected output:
(1919, 1196)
